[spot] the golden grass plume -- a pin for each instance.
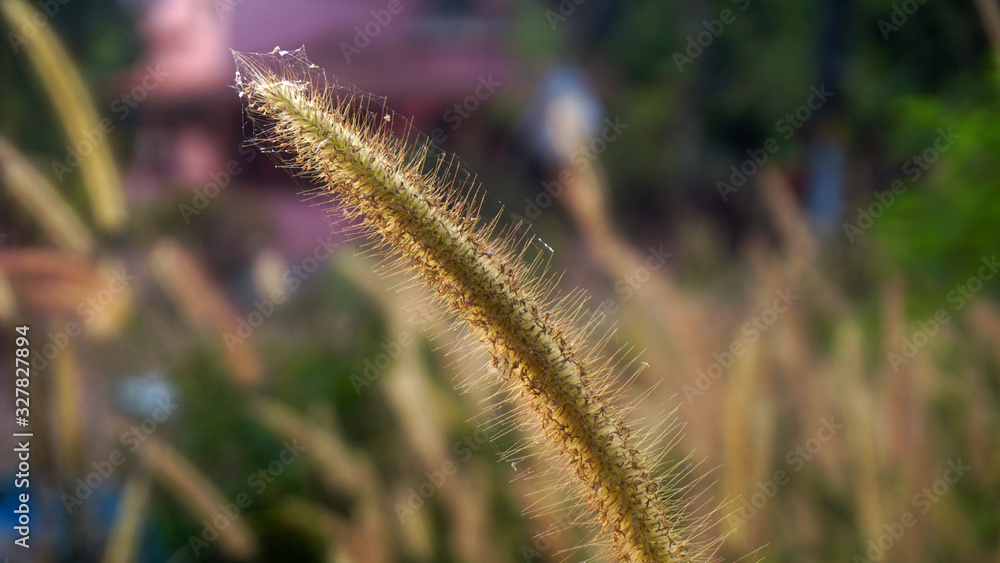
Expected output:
(406, 201)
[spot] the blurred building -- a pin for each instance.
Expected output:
(424, 56)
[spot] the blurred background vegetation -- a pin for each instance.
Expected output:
(159, 399)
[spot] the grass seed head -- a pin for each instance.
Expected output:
(405, 199)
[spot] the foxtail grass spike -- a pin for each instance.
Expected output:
(406, 202)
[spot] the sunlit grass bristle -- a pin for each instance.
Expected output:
(537, 339)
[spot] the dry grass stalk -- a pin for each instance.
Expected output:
(126, 534)
(206, 308)
(76, 111)
(535, 340)
(192, 489)
(33, 191)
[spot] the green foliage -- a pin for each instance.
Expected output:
(940, 231)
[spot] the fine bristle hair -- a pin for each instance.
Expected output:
(403, 196)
